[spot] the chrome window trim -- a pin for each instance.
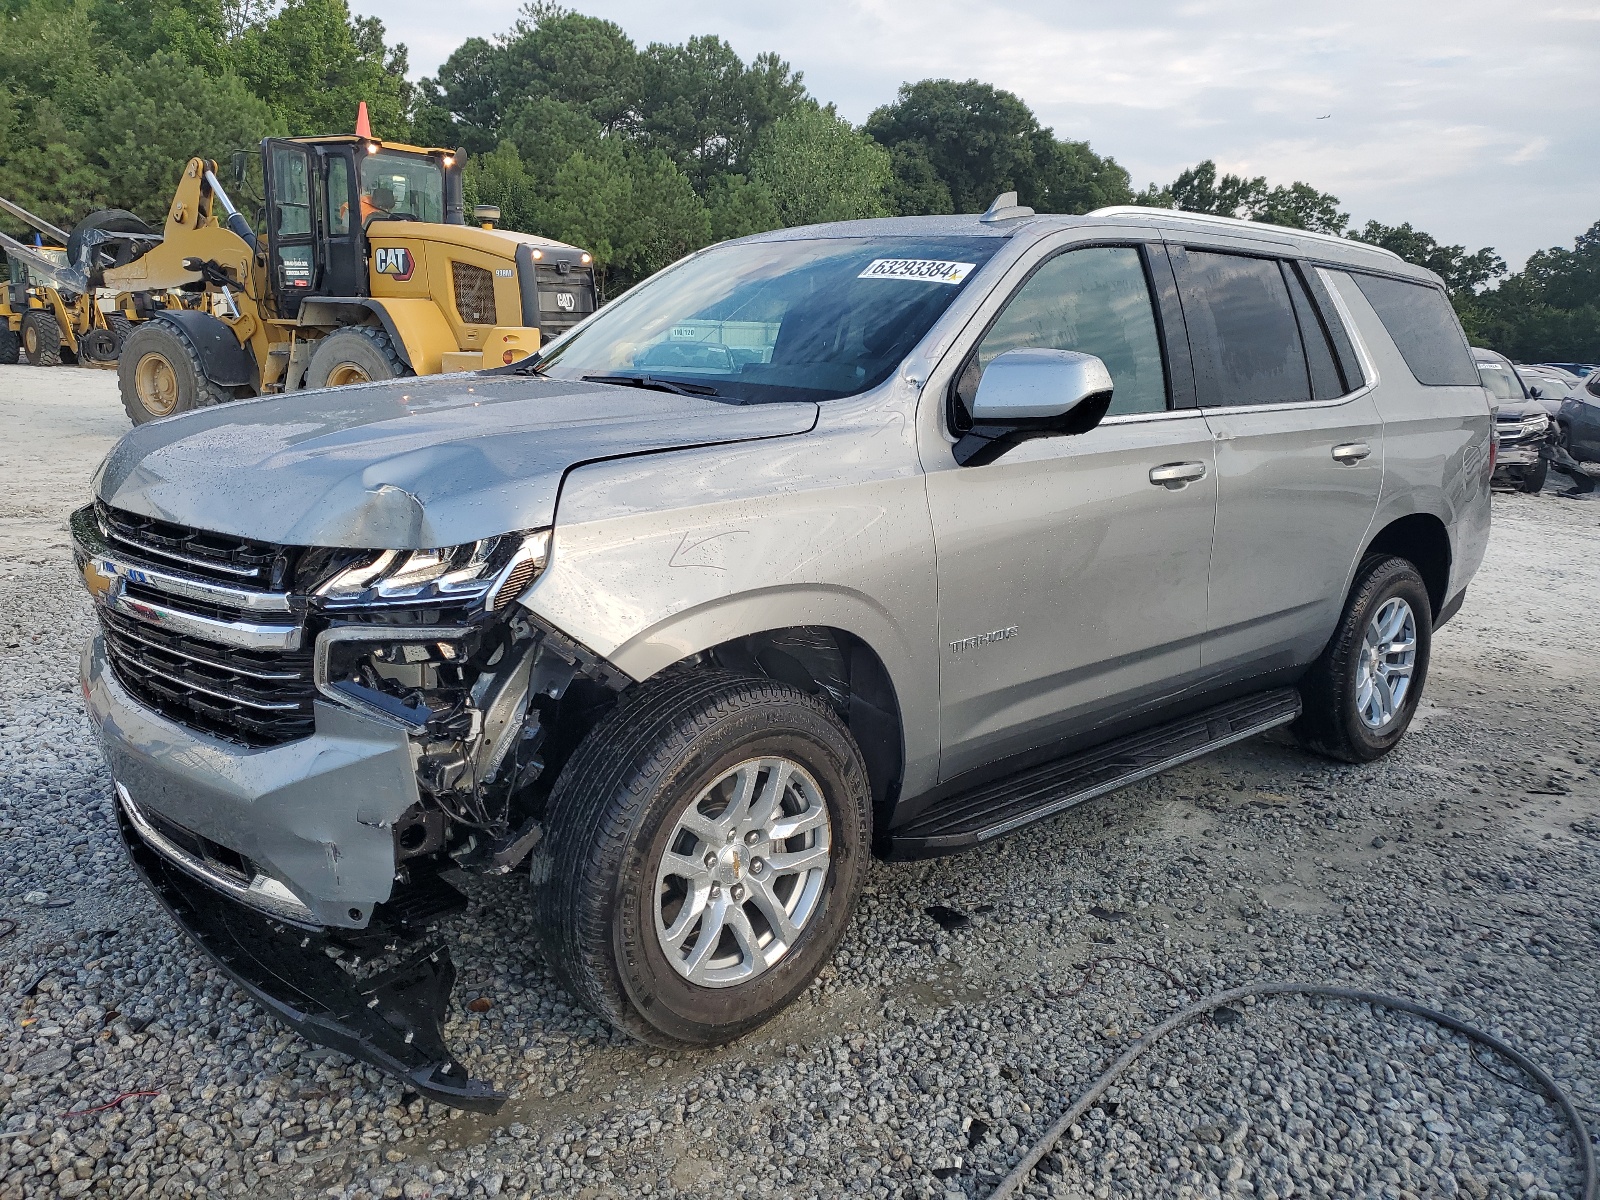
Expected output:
(263, 892)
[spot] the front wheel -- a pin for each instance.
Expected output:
(355, 354)
(10, 345)
(41, 338)
(705, 848)
(1532, 480)
(159, 374)
(1360, 696)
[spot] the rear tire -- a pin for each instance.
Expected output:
(1532, 481)
(41, 338)
(355, 354)
(1354, 708)
(10, 347)
(626, 817)
(159, 374)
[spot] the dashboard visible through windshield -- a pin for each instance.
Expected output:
(805, 319)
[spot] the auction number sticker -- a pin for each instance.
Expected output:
(929, 270)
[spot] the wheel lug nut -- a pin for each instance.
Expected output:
(737, 891)
(732, 834)
(711, 860)
(757, 866)
(751, 838)
(716, 890)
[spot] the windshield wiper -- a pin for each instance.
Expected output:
(654, 384)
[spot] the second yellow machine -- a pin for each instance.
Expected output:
(367, 270)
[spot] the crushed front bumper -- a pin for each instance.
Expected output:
(280, 864)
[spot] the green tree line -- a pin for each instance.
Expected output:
(638, 154)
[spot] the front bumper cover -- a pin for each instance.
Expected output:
(393, 1020)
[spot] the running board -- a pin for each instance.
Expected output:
(993, 810)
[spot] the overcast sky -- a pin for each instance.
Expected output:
(1476, 121)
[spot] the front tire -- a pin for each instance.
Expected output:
(159, 374)
(356, 354)
(1532, 480)
(41, 338)
(1359, 697)
(705, 849)
(10, 346)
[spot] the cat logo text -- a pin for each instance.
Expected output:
(393, 261)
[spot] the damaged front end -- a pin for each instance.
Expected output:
(304, 739)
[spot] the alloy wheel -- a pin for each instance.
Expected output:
(743, 872)
(1388, 658)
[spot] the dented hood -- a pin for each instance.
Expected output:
(412, 464)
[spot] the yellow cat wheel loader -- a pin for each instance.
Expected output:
(50, 312)
(366, 270)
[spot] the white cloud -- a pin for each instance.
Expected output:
(1471, 119)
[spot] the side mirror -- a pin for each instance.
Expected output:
(1033, 393)
(241, 165)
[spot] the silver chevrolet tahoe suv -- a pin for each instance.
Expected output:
(886, 537)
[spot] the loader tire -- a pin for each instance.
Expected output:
(10, 347)
(41, 338)
(159, 374)
(355, 354)
(111, 220)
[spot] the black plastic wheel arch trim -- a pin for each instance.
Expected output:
(393, 1021)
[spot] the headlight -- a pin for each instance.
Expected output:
(1537, 424)
(494, 570)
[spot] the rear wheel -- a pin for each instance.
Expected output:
(159, 374)
(10, 346)
(705, 848)
(41, 338)
(356, 354)
(1360, 696)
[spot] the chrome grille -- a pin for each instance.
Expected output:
(216, 556)
(258, 698)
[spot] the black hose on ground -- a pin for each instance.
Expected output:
(1019, 1174)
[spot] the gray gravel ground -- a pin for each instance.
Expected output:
(1460, 872)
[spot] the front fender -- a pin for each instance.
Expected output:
(658, 557)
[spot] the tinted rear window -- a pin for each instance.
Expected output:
(1424, 328)
(1242, 329)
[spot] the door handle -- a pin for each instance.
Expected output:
(1176, 475)
(1351, 452)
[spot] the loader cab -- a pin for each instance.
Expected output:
(324, 194)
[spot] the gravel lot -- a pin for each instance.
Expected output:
(1460, 872)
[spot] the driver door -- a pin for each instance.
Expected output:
(291, 232)
(1072, 583)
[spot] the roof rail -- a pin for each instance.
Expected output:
(1179, 214)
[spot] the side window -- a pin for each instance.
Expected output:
(338, 197)
(1242, 329)
(1327, 382)
(1095, 300)
(1424, 328)
(292, 183)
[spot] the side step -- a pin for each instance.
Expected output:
(992, 810)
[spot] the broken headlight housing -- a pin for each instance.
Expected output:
(493, 571)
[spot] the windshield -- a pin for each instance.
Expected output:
(1501, 380)
(812, 319)
(409, 185)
